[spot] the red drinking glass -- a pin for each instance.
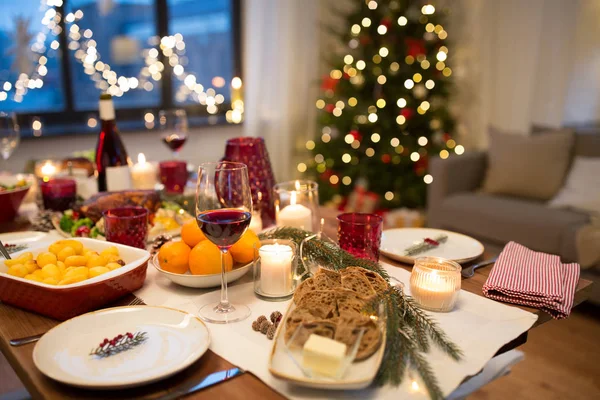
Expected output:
(360, 234)
(126, 225)
(58, 194)
(174, 175)
(252, 151)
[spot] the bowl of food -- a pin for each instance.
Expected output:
(71, 277)
(195, 262)
(13, 189)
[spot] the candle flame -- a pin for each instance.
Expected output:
(293, 199)
(141, 158)
(297, 185)
(48, 169)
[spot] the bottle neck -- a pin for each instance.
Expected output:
(107, 110)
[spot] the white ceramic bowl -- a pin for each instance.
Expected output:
(202, 281)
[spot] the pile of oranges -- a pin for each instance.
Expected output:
(197, 254)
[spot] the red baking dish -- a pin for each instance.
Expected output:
(64, 302)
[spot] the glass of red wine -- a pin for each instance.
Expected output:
(223, 213)
(174, 129)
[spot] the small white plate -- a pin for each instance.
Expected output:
(359, 374)
(25, 237)
(458, 247)
(201, 281)
(175, 340)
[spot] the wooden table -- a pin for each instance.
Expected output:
(18, 323)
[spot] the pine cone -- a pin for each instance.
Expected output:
(276, 317)
(261, 319)
(160, 241)
(256, 326)
(271, 332)
(264, 326)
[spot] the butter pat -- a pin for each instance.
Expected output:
(323, 355)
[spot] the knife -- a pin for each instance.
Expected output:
(209, 380)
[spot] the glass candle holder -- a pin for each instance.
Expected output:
(275, 269)
(126, 225)
(58, 194)
(360, 234)
(297, 204)
(435, 283)
(173, 175)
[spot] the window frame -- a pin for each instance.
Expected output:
(133, 116)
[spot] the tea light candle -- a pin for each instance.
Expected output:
(276, 269)
(435, 283)
(295, 215)
(48, 170)
(143, 174)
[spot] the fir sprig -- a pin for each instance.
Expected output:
(119, 344)
(409, 329)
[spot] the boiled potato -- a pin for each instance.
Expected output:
(90, 253)
(77, 271)
(72, 279)
(57, 246)
(32, 277)
(61, 266)
(113, 265)
(38, 274)
(76, 261)
(96, 261)
(51, 271)
(95, 271)
(51, 280)
(67, 251)
(22, 259)
(110, 250)
(31, 266)
(110, 258)
(46, 258)
(18, 270)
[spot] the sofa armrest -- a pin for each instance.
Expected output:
(456, 174)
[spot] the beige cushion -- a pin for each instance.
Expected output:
(528, 166)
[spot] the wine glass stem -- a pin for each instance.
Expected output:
(224, 303)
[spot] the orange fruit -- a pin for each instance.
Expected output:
(174, 257)
(205, 259)
(191, 233)
(243, 251)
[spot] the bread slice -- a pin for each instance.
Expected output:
(349, 302)
(331, 274)
(320, 303)
(307, 286)
(323, 282)
(318, 327)
(347, 331)
(358, 283)
(376, 281)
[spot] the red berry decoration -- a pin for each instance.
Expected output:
(75, 215)
(356, 134)
(83, 231)
(407, 113)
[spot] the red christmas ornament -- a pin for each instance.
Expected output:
(386, 158)
(328, 83)
(421, 165)
(407, 113)
(356, 135)
(414, 47)
(386, 21)
(329, 108)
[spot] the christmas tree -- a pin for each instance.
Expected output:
(384, 105)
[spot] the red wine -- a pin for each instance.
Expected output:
(175, 142)
(110, 151)
(224, 227)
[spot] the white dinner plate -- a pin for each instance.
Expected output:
(175, 340)
(25, 237)
(458, 247)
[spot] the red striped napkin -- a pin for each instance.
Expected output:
(530, 278)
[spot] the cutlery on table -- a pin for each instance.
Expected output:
(209, 380)
(470, 271)
(4, 251)
(30, 339)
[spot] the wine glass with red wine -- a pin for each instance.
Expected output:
(174, 129)
(223, 212)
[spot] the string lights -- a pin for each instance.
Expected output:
(85, 51)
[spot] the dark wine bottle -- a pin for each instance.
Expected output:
(110, 151)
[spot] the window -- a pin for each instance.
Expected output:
(56, 58)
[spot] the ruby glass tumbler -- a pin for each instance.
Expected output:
(360, 234)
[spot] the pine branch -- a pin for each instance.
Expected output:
(425, 372)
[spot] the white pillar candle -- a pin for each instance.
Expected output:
(276, 269)
(295, 215)
(143, 174)
(256, 223)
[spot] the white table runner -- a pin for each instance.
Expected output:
(478, 325)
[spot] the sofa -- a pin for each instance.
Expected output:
(456, 202)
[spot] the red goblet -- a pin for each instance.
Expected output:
(173, 175)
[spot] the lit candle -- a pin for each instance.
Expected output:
(256, 223)
(295, 215)
(435, 284)
(143, 174)
(48, 170)
(276, 269)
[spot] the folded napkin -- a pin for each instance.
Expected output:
(534, 279)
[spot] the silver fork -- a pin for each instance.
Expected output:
(470, 271)
(30, 339)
